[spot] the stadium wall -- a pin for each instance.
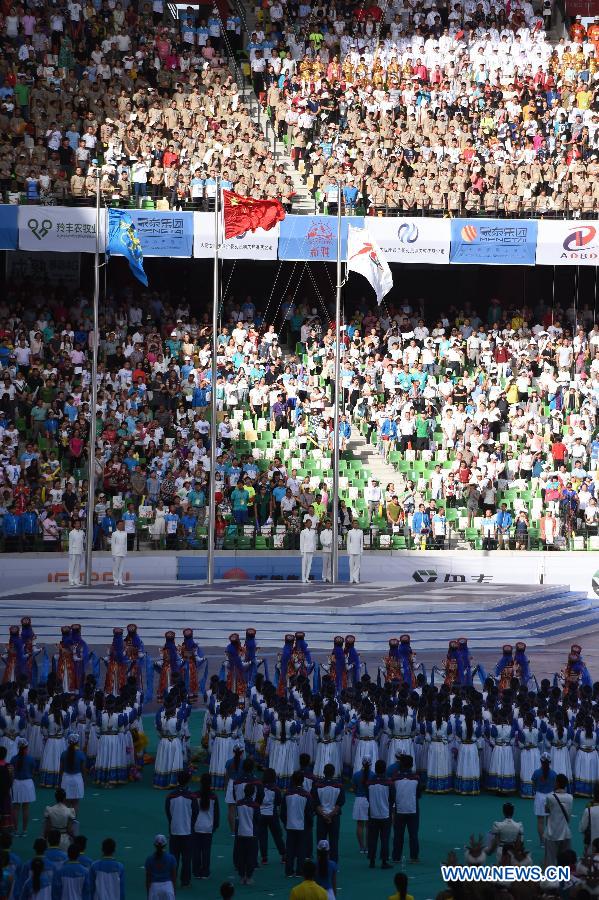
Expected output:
(578, 569)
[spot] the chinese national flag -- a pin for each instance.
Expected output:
(243, 214)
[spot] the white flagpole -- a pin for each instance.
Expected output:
(91, 475)
(337, 398)
(213, 428)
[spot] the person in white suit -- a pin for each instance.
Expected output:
(118, 548)
(326, 543)
(76, 546)
(307, 549)
(355, 548)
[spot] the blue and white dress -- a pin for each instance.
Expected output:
(55, 744)
(328, 747)
(366, 744)
(225, 730)
(439, 777)
(401, 738)
(559, 748)
(169, 760)
(467, 775)
(283, 750)
(502, 771)
(530, 758)
(586, 764)
(111, 759)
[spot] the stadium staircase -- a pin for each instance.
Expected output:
(541, 617)
(372, 462)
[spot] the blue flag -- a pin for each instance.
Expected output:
(123, 240)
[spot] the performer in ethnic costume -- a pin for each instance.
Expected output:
(136, 655)
(575, 673)
(451, 664)
(408, 660)
(521, 664)
(464, 662)
(286, 665)
(504, 670)
(14, 658)
(116, 665)
(80, 655)
(253, 663)
(64, 663)
(392, 664)
(236, 667)
(352, 661)
(302, 656)
(337, 667)
(169, 665)
(192, 658)
(30, 650)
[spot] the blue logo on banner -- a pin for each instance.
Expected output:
(163, 233)
(314, 238)
(9, 232)
(499, 242)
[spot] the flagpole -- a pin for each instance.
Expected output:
(91, 475)
(213, 429)
(336, 395)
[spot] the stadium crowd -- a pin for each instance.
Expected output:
(436, 108)
(489, 421)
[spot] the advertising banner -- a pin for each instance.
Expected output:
(8, 227)
(62, 229)
(568, 243)
(314, 238)
(259, 244)
(164, 233)
(412, 240)
(493, 242)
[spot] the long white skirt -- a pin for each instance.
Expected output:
(23, 791)
(36, 741)
(50, 762)
(439, 775)
(365, 748)
(467, 774)
(284, 759)
(561, 763)
(307, 741)
(502, 772)
(327, 752)
(73, 785)
(404, 746)
(586, 773)
(222, 752)
(92, 744)
(111, 764)
(530, 761)
(168, 763)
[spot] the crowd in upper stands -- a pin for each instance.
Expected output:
(472, 409)
(419, 107)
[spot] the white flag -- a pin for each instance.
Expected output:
(364, 257)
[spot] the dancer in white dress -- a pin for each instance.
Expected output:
(502, 772)
(55, 724)
(328, 731)
(529, 739)
(439, 777)
(467, 775)
(586, 763)
(169, 761)
(283, 756)
(226, 727)
(111, 761)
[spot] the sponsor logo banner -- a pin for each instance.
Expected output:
(164, 233)
(251, 245)
(314, 238)
(493, 242)
(61, 229)
(8, 227)
(412, 240)
(568, 243)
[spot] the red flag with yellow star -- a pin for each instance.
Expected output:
(243, 214)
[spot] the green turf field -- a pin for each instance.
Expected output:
(134, 813)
